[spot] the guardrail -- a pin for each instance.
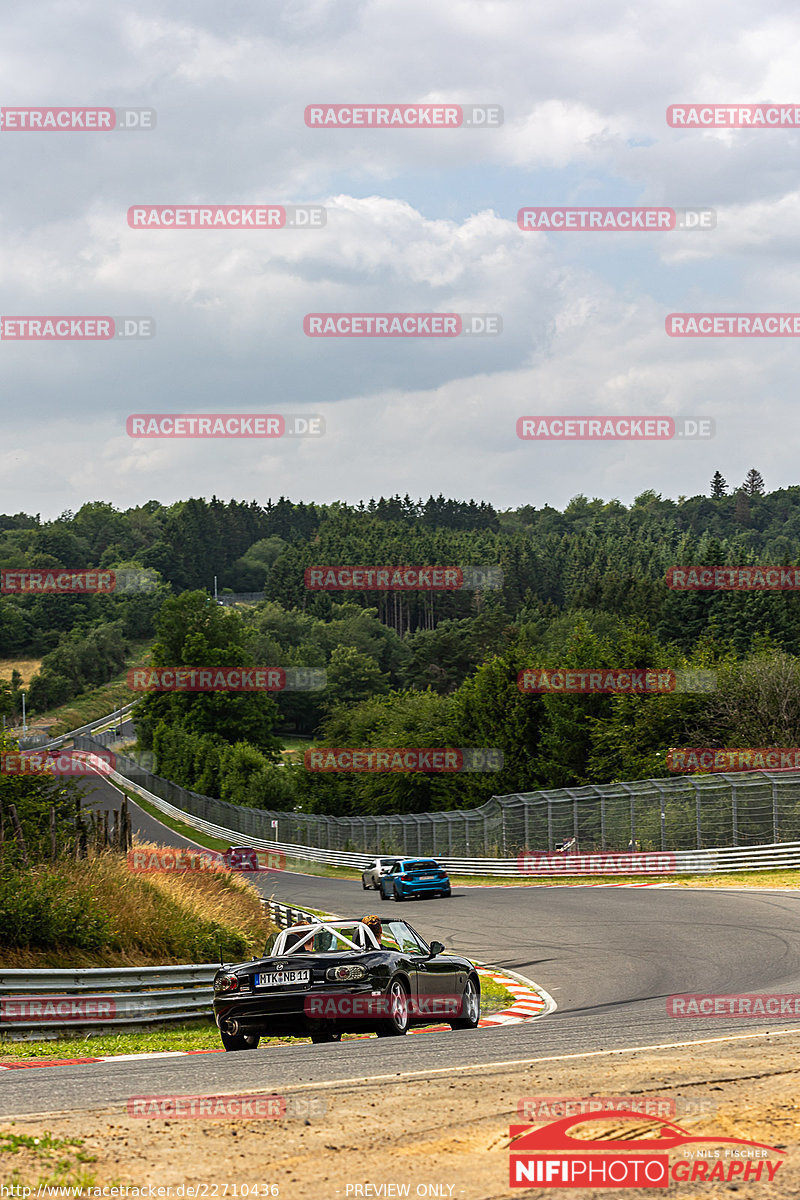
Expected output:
(65, 999)
(525, 865)
(98, 997)
(92, 727)
(284, 915)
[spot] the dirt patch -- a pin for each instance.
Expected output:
(447, 1133)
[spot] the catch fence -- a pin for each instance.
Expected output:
(686, 813)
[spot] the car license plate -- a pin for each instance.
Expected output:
(282, 978)
(427, 876)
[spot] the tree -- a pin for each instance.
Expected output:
(754, 483)
(719, 487)
(353, 676)
(195, 632)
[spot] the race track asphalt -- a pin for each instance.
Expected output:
(608, 956)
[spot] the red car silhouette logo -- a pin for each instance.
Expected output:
(556, 1136)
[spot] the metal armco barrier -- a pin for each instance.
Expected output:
(284, 916)
(118, 714)
(65, 999)
(53, 1000)
(525, 864)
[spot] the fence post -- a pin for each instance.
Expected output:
(52, 833)
(12, 812)
(549, 825)
(663, 815)
(734, 816)
(775, 836)
(602, 820)
(697, 805)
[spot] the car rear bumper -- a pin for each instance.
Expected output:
(427, 888)
(294, 1013)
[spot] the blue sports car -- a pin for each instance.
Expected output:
(411, 878)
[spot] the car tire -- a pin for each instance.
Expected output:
(364, 886)
(397, 895)
(326, 1035)
(446, 894)
(396, 1025)
(471, 1002)
(383, 895)
(239, 1041)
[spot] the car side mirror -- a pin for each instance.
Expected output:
(436, 948)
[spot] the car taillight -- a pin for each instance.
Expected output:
(339, 974)
(226, 983)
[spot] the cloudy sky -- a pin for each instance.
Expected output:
(418, 220)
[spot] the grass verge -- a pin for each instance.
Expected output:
(99, 701)
(43, 1161)
(96, 912)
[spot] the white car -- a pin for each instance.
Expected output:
(371, 875)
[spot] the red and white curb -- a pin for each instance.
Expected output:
(529, 1001)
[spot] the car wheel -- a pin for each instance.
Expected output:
(239, 1041)
(363, 884)
(470, 1006)
(447, 893)
(398, 895)
(396, 1024)
(326, 1035)
(383, 895)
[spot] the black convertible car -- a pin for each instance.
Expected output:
(333, 977)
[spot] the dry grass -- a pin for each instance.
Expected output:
(27, 668)
(149, 920)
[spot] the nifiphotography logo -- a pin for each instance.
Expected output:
(555, 1156)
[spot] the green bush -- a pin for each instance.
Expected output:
(35, 913)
